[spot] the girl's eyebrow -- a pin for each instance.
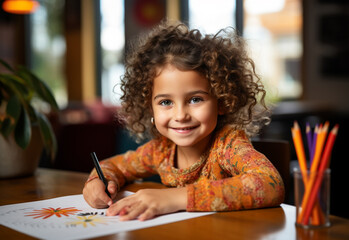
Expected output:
(162, 96)
(188, 94)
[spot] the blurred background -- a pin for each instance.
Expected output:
(301, 51)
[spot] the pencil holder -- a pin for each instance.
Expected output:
(312, 198)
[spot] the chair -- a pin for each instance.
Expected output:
(278, 152)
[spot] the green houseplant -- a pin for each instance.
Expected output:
(20, 91)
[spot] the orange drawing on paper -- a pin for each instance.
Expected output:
(49, 212)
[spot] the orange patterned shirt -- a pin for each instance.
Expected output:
(232, 176)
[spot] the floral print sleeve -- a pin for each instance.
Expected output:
(251, 182)
(132, 165)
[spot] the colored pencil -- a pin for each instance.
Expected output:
(308, 184)
(313, 146)
(319, 146)
(316, 142)
(316, 184)
(309, 139)
(298, 143)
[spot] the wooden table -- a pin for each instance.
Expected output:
(270, 223)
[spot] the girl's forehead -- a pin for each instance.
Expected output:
(172, 79)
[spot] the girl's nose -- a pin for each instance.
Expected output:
(181, 114)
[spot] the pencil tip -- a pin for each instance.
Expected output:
(335, 129)
(316, 128)
(296, 125)
(326, 125)
(307, 128)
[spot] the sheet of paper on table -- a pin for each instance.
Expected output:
(70, 217)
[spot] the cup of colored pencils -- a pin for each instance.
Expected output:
(312, 179)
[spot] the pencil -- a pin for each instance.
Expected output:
(99, 172)
(309, 140)
(316, 185)
(297, 138)
(316, 131)
(321, 137)
(298, 143)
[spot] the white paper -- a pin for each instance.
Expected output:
(70, 217)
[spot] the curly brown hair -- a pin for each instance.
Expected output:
(222, 58)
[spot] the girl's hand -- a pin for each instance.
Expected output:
(148, 203)
(95, 195)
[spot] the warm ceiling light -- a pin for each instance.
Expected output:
(20, 6)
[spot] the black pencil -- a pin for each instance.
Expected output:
(99, 172)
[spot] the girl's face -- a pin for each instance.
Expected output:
(184, 111)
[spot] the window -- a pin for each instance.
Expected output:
(112, 45)
(209, 16)
(48, 47)
(273, 32)
(272, 29)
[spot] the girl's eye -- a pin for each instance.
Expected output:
(195, 100)
(165, 103)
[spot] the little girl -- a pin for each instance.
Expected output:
(196, 96)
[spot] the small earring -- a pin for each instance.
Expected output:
(152, 120)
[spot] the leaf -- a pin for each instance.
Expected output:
(6, 127)
(23, 130)
(6, 65)
(12, 77)
(41, 87)
(17, 90)
(23, 74)
(47, 135)
(13, 108)
(23, 92)
(17, 86)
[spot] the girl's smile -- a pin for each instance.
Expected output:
(184, 130)
(184, 110)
